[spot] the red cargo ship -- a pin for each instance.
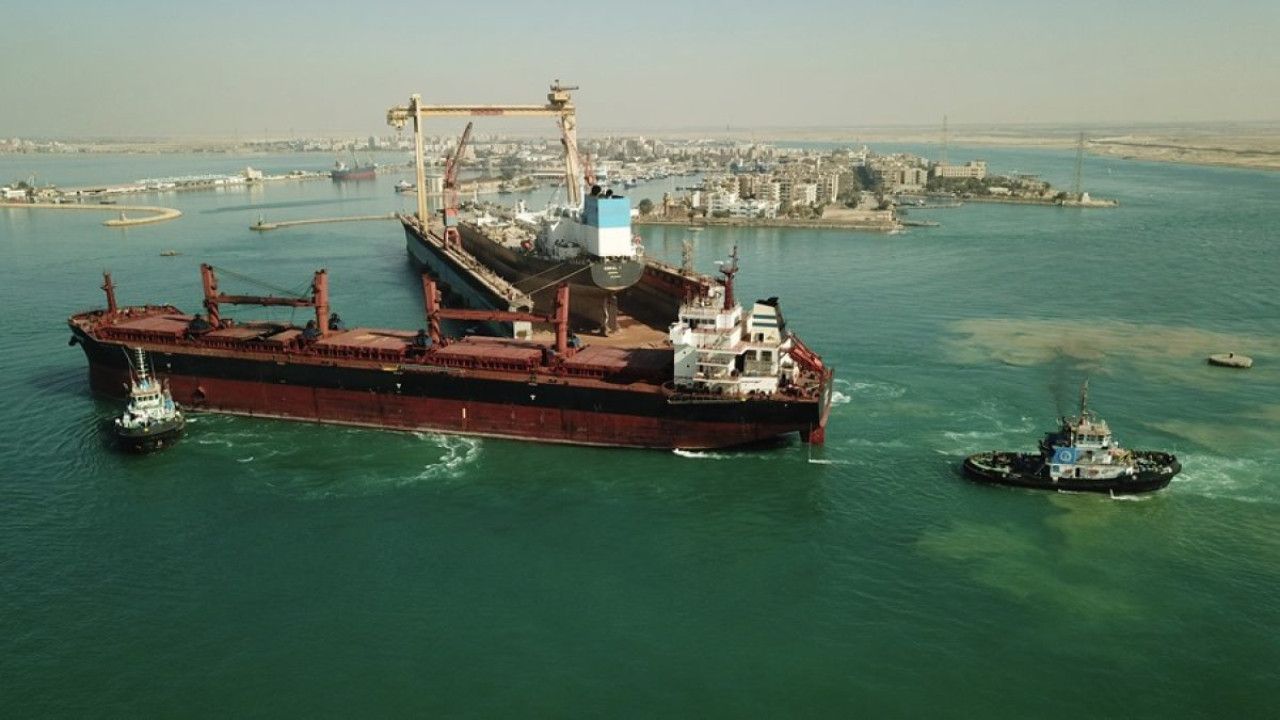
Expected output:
(729, 377)
(341, 171)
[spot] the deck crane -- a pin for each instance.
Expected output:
(450, 211)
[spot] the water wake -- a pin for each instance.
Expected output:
(702, 454)
(870, 390)
(459, 453)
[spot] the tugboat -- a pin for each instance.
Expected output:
(1080, 456)
(152, 420)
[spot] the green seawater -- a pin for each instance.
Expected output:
(266, 569)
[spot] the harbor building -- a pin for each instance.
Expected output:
(898, 177)
(976, 169)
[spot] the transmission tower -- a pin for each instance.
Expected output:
(686, 257)
(943, 159)
(1079, 165)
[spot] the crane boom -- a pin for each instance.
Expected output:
(450, 211)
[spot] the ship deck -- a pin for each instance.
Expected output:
(636, 352)
(631, 333)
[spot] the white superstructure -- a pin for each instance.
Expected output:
(601, 229)
(721, 349)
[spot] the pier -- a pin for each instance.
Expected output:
(262, 226)
(156, 214)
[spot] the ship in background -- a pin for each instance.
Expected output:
(589, 243)
(730, 375)
(342, 172)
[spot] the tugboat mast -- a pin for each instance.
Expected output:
(140, 367)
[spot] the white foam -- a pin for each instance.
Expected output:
(701, 454)
(1131, 498)
(873, 390)
(459, 452)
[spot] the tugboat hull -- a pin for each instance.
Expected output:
(1156, 470)
(159, 436)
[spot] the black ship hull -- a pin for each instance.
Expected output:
(157, 436)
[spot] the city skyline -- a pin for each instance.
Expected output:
(139, 68)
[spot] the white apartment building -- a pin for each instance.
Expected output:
(721, 201)
(805, 193)
(828, 187)
(976, 169)
(753, 209)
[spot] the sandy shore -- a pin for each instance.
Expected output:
(1259, 152)
(1243, 145)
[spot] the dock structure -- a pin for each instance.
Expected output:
(155, 214)
(262, 226)
(465, 279)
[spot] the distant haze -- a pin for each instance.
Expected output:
(135, 68)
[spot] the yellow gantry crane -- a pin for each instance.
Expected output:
(559, 105)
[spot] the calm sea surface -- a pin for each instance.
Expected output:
(272, 569)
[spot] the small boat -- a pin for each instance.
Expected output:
(404, 186)
(152, 419)
(1080, 456)
(169, 253)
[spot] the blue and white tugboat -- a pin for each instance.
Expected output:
(152, 419)
(1080, 456)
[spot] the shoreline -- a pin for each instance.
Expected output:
(864, 226)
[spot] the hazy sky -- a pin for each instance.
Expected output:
(175, 68)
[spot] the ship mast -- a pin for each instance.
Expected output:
(110, 289)
(729, 269)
